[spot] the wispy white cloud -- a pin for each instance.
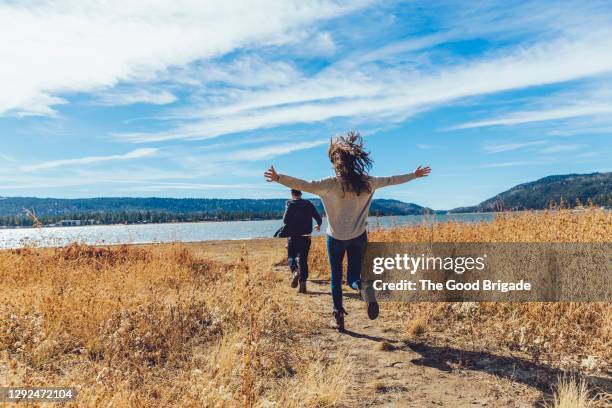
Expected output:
(559, 148)
(42, 184)
(424, 146)
(588, 155)
(122, 98)
(507, 164)
(134, 154)
(517, 118)
(197, 186)
(146, 43)
(89, 45)
(245, 71)
(373, 93)
(267, 152)
(506, 147)
(584, 106)
(323, 43)
(33, 104)
(583, 125)
(576, 129)
(538, 146)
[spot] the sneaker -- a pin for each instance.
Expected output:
(295, 277)
(370, 297)
(373, 310)
(339, 316)
(302, 288)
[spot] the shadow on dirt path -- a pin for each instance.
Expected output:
(388, 372)
(515, 368)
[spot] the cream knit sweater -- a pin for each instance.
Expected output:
(346, 212)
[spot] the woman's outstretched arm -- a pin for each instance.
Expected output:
(318, 187)
(379, 182)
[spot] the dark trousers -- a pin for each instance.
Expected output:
(297, 255)
(354, 250)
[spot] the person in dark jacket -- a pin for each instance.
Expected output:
(298, 226)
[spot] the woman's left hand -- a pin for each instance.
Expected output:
(422, 171)
(271, 174)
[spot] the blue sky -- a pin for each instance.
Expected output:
(195, 99)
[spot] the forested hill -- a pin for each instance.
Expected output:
(155, 210)
(542, 193)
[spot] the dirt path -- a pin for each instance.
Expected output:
(392, 373)
(389, 371)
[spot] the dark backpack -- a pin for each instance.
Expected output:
(282, 232)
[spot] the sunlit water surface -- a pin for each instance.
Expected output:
(188, 232)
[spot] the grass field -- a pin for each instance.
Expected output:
(214, 324)
(558, 333)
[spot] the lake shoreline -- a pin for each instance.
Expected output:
(194, 232)
(429, 215)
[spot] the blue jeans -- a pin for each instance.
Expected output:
(297, 255)
(354, 249)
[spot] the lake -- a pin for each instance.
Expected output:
(188, 232)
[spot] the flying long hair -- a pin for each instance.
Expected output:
(351, 162)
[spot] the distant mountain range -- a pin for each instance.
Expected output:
(539, 194)
(542, 193)
(117, 210)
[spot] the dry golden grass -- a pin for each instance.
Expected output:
(561, 334)
(415, 328)
(163, 325)
(571, 393)
(156, 326)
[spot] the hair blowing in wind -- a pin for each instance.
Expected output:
(351, 162)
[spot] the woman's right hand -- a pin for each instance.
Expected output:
(422, 171)
(271, 174)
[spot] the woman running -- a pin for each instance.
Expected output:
(346, 198)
